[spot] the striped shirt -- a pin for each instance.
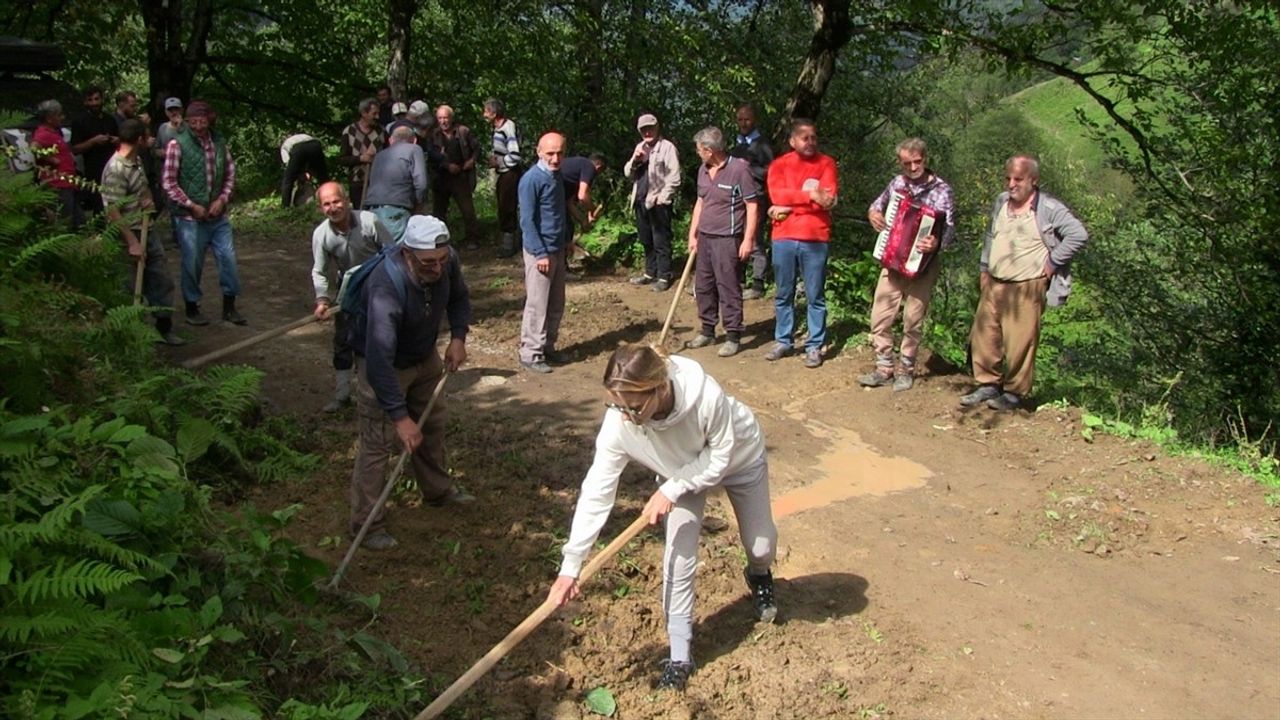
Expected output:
(506, 146)
(173, 164)
(124, 186)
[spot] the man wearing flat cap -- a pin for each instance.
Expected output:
(199, 175)
(655, 168)
(405, 299)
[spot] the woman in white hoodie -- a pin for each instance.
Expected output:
(673, 418)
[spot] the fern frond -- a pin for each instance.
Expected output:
(91, 543)
(58, 245)
(66, 616)
(83, 579)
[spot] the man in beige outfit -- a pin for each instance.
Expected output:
(1025, 264)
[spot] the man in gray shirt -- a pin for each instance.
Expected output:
(345, 239)
(397, 182)
(722, 232)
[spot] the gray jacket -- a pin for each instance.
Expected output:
(1060, 231)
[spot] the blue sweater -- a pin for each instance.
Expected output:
(400, 333)
(543, 216)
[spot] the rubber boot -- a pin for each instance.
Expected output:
(507, 247)
(229, 313)
(341, 391)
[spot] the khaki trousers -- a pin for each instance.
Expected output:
(378, 439)
(543, 306)
(1007, 325)
(894, 291)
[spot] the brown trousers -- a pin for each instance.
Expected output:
(378, 439)
(894, 291)
(1007, 326)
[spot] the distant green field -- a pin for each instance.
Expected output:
(1051, 107)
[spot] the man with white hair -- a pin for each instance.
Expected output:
(458, 151)
(55, 167)
(404, 300)
(722, 231)
(397, 182)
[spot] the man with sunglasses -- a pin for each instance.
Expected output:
(405, 299)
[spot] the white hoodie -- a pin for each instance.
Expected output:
(708, 435)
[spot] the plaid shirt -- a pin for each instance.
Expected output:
(935, 192)
(173, 163)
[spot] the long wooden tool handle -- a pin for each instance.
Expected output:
(688, 266)
(142, 262)
(203, 360)
(386, 489)
(530, 623)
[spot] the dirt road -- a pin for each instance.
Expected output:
(933, 563)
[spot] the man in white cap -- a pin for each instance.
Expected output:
(655, 169)
(398, 112)
(404, 301)
(171, 129)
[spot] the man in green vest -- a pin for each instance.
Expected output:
(199, 176)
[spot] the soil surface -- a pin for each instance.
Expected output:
(933, 563)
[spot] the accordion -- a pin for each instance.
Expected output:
(907, 222)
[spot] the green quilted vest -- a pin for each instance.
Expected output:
(191, 172)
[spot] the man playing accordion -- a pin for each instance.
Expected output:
(919, 185)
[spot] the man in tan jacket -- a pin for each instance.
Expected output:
(655, 169)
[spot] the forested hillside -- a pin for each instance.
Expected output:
(121, 576)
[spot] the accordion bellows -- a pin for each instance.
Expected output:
(907, 222)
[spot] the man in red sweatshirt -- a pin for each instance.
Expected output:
(802, 188)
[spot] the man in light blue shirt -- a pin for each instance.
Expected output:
(545, 223)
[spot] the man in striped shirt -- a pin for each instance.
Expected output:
(127, 199)
(199, 175)
(506, 162)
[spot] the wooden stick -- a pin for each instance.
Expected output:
(530, 623)
(688, 266)
(386, 489)
(207, 358)
(364, 189)
(142, 262)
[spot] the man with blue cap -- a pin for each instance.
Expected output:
(405, 299)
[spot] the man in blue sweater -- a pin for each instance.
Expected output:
(405, 299)
(544, 223)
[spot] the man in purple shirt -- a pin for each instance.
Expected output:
(894, 290)
(722, 232)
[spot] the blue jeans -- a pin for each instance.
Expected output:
(195, 237)
(810, 257)
(394, 219)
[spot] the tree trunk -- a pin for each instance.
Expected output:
(171, 63)
(399, 37)
(832, 30)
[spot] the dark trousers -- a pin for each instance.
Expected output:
(305, 159)
(460, 189)
(758, 263)
(157, 283)
(716, 285)
(508, 210)
(344, 356)
(653, 226)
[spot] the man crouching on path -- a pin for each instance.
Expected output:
(405, 299)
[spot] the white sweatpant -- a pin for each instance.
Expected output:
(748, 492)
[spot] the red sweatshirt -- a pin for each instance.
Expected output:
(787, 177)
